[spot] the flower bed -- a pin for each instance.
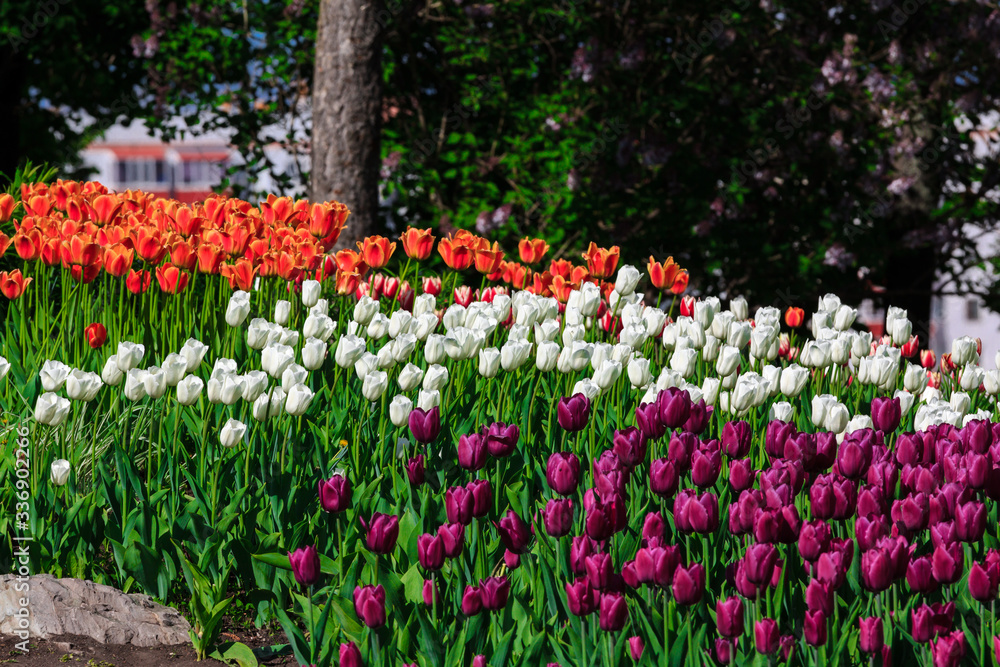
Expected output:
(403, 468)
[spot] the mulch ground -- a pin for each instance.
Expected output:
(85, 652)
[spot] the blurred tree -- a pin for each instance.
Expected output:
(67, 72)
(778, 150)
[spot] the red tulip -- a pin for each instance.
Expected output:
(96, 335)
(663, 477)
(501, 439)
(885, 414)
(425, 425)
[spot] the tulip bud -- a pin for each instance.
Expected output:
(232, 433)
(189, 390)
(51, 409)
(238, 308)
(311, 290)
(305, 566)
(59, 472)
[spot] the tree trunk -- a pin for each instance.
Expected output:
(346, 113)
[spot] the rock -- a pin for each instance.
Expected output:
(77, 607)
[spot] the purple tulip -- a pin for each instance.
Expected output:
(663, 477)
(689, 584)
(458, 504)
(766, 636)
(573, 412)
(630, 446)
(983, 582)
(482, 497)
(675, 407)
(369, 605)
(415, 470)
(472, 601)
(563, 472)
(581, 597)
(472, 451)
(814, 628)
(514, 532)
(430, 551)
(948, 650)
(885, 414)
(614, 612)
(350, 656)
(453, 538)
(600, 570)
(920, 575)
(814, 539)
(970, 521)
(947, 562)
(760, 560)
(581, 547)
(819, 597)
(635, 647)
(501, 439)
(696, 513)
(335, 493)
(741, 474)
(511, 559)
(558, 517)
(736, 437)
(494, 591)
(725, 649)
(305, 565)
(429, 592)
(729, 617)
(697, 421)
(705, 467)
(383, 530)
(647, 418)
(872, 638)
(425, 425)
(653, 526)
(876, 571)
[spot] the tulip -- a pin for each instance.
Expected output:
(298, 399)
(350, 656)
(81, 386)
(581, 597)
(458, 503)
(482, 496)
(453, 538)
(630, 446)
(59, 472)
(494, 591)
(501, 439)
(369, 605)
(335, 493)
(600, 570)
(647, 418)
(946, 563)
(383, 530)
(766, 636)
(675, 407)
(886, 414)
(614, 612)
(514, 532)
(705, 467)
(949, 649)
(725, 650)
(305, 565)
(729, 617)
(472, 601)
(983, 582)
(232, 433)
(689, 584)
(557, 517)
(876, 572)
(425, 425)
(563, 472)
(970, 521)
(636, 646)
(311, 290)
(430, 551)
(814, 628)
(51, 409)
(663, 477)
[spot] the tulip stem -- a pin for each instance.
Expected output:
(312, 626)
(583, 641)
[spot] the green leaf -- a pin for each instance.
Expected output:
(235, 653)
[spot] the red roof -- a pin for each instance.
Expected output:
(137, 150)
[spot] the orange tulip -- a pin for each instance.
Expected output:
(85, 273)
(28, 243)
(183, 256)
(794, 317)
(516, 274)
(561, 288)
(148, 245)
(417, 243)
(81, 250)
(541, 284)
(532, 250)
(351, 261)
(240, 274)
(376, 250)
(118, 260)
(578, 275)
(326, 221)
(4, 243)
(561, 267)
(172, 280)
(601, 262)
(456, 254)
(106, 208)
(38, 205)
(662, 275)
(7, 204)
(210, 258)
(680, 282)
(347, 282)
(51, 252)
(138, 281)
(488, 259)
(287, 265)
(13, 284)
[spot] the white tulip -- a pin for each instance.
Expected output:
(274, 359)
(424, 304)
(130, 354)
(711, 349)
(232, 433)
(772, 375)
(608, 374)
(311, 290)
(81, 386)
(51, 409)
(639, 374)
(254, 384)
(349, 350)
(781, 411)
(378, 326)
(313, 354)
(399, 323)
(627, 280)
(59, 472)
(844, 318)
(622, 353)
(111, 374)
(858, 422)
(587, 387)
(963, 351)
(224, 366)
(600, 352)
(837, 417)
(282, 311)
(527, 314)
(828, 303)
(721, 323)
(225, 388)
(768, 315)
(4, 368)
(820, 406)
(906, 400)
(914, 378)
(546, 356)
(292, 376)
(300, 397)
(710, 390)
(653, 319)
(740, 308)
(189, 390)
(260, 408)
(793, 380)
(318, 325)
(728, 359)
(154, 382)
(901, 330)
(365, 309)
(174, 368)
(238, 309)
(960, 402)
(427, 400)
(436, 378)
(399, 410)
(489, 362)
(276, 404)
(514, 353)
(684, 361)
(454, 316)
(424, 326)
(991, 382)
(403, 346)
(322, 307)
(633, 335)
(862, 344)
(972, 377)
(434, 347)
(546, 331)
(134, 388)
(762, 339)
(669, 378)
(53, 375)
(410, 377)
(705, 312)
(258, 333)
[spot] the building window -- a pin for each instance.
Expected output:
(141, 171)
(972, 309)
